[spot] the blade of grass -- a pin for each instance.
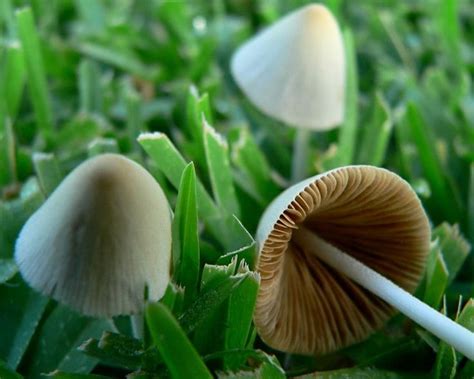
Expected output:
(48, 171)
(348, 130)
(62, 350)
(35, 71)
(119, 59)
(14, 76)
(431, 165)
(209, 336)
(134, 120)
(239, 315)
(90, 91)
(171, 162)
(92, 15)
(470, 204)
(8, 269)
(102, 146)
(173, 345)
(446, 13)
(7, 16)
(376, 133)
(226, 230)
(8, 163)
(186, 259)
(454, 247)
(251, 162)
(7, 373)
(436, 277)
(217, 158)
(206, 302)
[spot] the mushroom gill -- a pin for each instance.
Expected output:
(305, 306)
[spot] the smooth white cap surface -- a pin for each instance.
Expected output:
(101, 237)
(294, 71)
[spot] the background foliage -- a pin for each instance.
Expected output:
(79, 78)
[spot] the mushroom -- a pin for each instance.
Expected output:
(337, 252)
(294, 71)
(100, 239)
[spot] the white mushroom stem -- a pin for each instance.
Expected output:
(138, 326)
(441, 326)
(300, 155)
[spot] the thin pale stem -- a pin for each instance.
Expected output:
(299, 164)
(137, 326)
(441, 326)
(112, 325)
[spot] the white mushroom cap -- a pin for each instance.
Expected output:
(294, 71)
(101, 237)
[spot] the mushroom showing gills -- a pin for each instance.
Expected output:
(101, 237)
(294, 71)
(337, 251)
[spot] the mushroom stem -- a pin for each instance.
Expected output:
(441, 326)
(300, 154)
(138, 325)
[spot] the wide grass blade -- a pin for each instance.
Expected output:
(13, 78)
(186, 260)
(178, 353)
(217, 157)
(48, 171)
(376, 134)
(239, 315)
(35, 71)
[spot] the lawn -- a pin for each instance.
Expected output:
(151, 80)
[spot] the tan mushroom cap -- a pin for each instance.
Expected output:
(101, 237)
(294, 70)
(306, 307)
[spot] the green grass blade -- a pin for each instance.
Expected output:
(8, 269)
(239, 316)
(454, 247)
(35, 71)
(209, 336)
(8, 161)
(431, 165)
(376, 134)
(253, 167)
(7, 373)
(7, 16)
(20, 322)
(92, 14)
(62, 353)
(186, 259)
(134, 120)
(102, 145)
(90, 92)
(68, 375)
(348, 129)
(217, 157)
(14, 76)
(470, 204)
(48, 171)
(436, 277)
(171, 162)
(196, 107)
(177, 351)
(207, 302)
(119, 59)
(446, 12)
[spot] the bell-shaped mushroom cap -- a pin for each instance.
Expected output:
(101, 237)
(305, 306)
(294, 71)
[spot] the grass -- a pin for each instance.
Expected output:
(80, 78)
